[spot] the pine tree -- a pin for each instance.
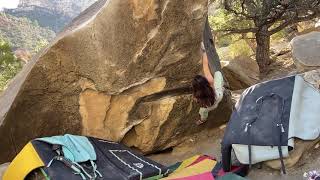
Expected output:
(263, 18)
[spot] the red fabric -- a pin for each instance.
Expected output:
(201, 158)
(204, 176)
(233, 169)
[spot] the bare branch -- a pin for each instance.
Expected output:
(275, 13)
(242, 6)
(270, 13)
(238, 31)
(254, 3)
(242, 13)
(293, 21)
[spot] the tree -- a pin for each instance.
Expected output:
(9, 64)
(264, 18)
(40, 45)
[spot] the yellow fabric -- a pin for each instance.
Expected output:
(187, 162)
(202, 167)
(25, 162)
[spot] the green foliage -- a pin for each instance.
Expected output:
(224, 41)
(22, 33)
(261, 18)
(9, 64)
(240, 48)
(236, 49)
(279, 36)
(41, 44)
(223, 20)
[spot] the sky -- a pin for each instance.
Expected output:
(8, 4)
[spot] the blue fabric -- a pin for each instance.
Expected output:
(75, 148)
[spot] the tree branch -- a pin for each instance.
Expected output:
(228, 8)
(293, 21)
(238, 31)
(277, 15)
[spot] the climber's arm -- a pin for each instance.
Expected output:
(205, 66)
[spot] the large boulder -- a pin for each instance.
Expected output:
(241, 72)
(305, 51)
(93, 79)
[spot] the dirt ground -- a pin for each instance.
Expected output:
(209, 142)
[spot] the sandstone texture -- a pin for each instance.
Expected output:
(241, 72)
(94, 77)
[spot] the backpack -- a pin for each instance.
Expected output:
(261, 118)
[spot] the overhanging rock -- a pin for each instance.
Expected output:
(90, 80)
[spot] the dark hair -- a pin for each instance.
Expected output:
(202, 91)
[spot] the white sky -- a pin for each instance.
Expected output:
(8, 4)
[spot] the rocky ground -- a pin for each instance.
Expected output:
(282, 63)
(209, 142)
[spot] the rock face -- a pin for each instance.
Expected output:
(305, 51)
(241, 72)
(94, 77)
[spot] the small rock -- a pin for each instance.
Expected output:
(317, 146)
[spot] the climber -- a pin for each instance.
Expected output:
(208, 89)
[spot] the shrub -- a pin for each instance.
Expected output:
(9, 64)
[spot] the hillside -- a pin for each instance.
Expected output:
(54, 14)
(22, 33)
(67, 7)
